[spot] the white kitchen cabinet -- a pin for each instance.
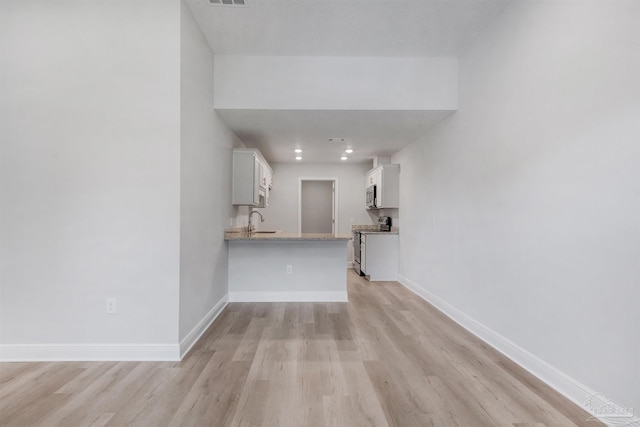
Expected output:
(267, 183)
(251, 178)
(374, 177)
(386, 178)
(263, 176)
(379, 256)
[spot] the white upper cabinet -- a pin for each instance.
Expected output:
(252, 178)
(386, 178)
(263, 176)
(374, 177)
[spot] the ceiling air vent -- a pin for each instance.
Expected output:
(228, 2)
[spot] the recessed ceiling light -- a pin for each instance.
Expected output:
(298, 157)
(298, 150)
(348, 150)
(343, 158)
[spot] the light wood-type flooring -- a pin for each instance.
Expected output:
(386, 358)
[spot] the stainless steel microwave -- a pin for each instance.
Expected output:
(371, 197)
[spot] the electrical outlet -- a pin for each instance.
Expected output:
(111, 306)
(289, 269)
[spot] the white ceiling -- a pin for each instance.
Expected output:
(370, 133)
(345, 27)
(376, 28)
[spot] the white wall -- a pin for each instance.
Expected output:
(282, 213)
(205, 183)
(90, 171)
(526, 202)
(332, 83)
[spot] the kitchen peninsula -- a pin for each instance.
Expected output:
(287, 267)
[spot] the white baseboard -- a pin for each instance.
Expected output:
(192, 337)
(321, 296)
(604, 409)
(109, 352)
(88, 352)
(349, 264)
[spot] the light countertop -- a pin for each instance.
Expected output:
(373, 229)
(284, 236)
(378, 232)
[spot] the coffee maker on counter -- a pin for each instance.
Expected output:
(384, 223)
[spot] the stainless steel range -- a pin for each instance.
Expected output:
(357, 266)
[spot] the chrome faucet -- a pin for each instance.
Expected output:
(251, 213)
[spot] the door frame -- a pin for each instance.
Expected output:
(335, 200)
